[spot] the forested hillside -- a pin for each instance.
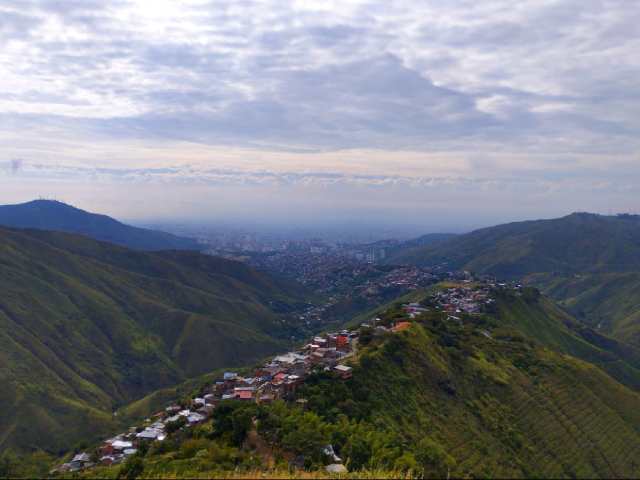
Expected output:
(87, 326)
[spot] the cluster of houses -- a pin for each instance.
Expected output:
(463, 299)
(276, 379)
(280, 377)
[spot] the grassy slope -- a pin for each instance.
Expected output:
(543, 321)
(516, 411)
(53, 215)
(86, 326)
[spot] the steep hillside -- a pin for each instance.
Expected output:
(58, 216)
(497, 408)
(87, 326)
(578, 243)
(608, 302)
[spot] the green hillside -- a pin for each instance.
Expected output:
(491, 397)
(501, 409)
(578, 243)
(58, 216)
(88, 326)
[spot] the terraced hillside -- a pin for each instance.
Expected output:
(58, 216)
(577, 243)
(87, 326)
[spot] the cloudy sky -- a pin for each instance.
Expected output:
(450, 114)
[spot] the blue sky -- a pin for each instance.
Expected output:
(452, 114)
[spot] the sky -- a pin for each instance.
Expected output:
(448, 115)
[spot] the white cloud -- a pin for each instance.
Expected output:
(319, 94)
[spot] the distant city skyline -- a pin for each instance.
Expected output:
(443, 117)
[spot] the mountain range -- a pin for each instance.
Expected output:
(58, 216)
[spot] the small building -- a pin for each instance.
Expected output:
(148, 436)
(344, 371)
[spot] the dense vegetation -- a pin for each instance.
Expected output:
(487, 396)
(88, 326)
(58, 216)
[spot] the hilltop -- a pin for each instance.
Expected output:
(87, 326)
(58, 216)
(577, 243)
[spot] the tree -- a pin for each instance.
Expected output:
(305, 441)
(365, 336)
(132, 468)
(357, 453)
(433, 457)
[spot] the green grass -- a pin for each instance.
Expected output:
(609, 302)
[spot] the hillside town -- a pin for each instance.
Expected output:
(280, 377)
(274, 380)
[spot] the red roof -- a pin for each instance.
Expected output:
(342, 339)
(244, 394)
(401, 326)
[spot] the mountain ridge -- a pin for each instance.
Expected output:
(577, 243)
(58, 216)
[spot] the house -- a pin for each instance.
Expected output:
(243, 393)
(82, 460)
(400, 326)
(206, 410)
(119, 446)
(247, 382)
(149, 436)
(342, 344)
(266, 398)
(196, 419)
(344, 371)
(106, 461)
(230, 379)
